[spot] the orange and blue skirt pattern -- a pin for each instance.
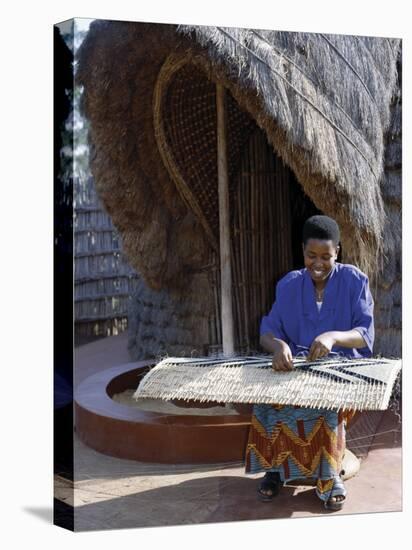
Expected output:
(299, 442)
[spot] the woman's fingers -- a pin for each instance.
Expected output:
(283, 368)
(282, 363)
(315, 355)
(288, 359)
(313, 352)
(280, 366)
(289, 362)
(317, 351)
(321, 346)
(282, 360)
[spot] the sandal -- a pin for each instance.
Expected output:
(337, 490)
(270, 482)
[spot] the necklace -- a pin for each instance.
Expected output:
(319, 294)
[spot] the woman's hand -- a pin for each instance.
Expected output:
(282, 357)
(321, 346)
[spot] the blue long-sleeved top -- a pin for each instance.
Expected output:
(347, 304)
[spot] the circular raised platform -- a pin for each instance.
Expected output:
(128, 432)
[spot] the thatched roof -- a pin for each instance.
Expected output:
(323, 101)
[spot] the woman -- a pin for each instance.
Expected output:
(326, 307)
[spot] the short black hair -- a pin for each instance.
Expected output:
(321, 227)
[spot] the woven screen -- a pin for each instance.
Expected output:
(189, 119)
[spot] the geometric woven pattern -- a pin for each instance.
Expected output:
(335, 384)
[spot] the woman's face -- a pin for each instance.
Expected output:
(319, 257)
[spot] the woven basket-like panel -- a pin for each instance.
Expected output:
(355, 384)
(187, 136)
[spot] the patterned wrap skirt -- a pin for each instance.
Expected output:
(299, 442)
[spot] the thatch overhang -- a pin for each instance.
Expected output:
(322, 100)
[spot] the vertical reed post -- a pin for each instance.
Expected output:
(243, 183)
(224, 224)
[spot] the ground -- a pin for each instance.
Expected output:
(113, 493)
